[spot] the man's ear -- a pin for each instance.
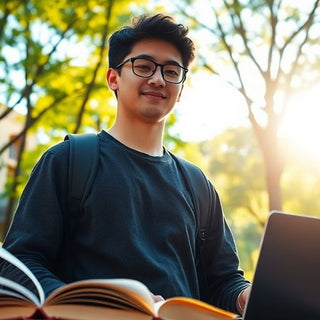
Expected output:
(179, 95)
(112, 76)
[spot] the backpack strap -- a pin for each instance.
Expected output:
(83, 163)
(201, 197)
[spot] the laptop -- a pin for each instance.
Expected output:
(286, 283)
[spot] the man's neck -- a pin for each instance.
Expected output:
(146, 138)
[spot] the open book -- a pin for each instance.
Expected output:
(95, 299)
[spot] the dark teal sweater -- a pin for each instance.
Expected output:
(138, 222)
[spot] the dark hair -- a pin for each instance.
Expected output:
(157, 26)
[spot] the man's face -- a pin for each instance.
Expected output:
(146, 99)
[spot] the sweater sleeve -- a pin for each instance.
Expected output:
(37, 230)
(221, 263)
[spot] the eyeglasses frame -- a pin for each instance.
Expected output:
(132, 60)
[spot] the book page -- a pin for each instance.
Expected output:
(19, 291)
(181, 308)
(123, 294)
(81, 312)
(7, 256)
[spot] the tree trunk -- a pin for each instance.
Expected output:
(273, 179)
(13, 198)
(274, 163)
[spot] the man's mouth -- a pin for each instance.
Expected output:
(156, 95)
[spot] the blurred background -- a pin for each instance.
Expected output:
(249, 115)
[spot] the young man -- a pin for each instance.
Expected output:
(139, 220)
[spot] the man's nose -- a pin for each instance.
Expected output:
(157, 77)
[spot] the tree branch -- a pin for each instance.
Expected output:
(102, 49)
(241, 30)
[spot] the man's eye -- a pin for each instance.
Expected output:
(172, 71)
(143, 67)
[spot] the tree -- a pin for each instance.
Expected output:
(234, 163)
(267, 50)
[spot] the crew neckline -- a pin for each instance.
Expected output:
(164, 157)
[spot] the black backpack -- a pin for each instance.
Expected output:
(83, 164)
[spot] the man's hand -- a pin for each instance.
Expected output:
(157, 298)
(242, 300)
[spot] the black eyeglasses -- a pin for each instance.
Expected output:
(145, 68)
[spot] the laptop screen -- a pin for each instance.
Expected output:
(286, 284)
